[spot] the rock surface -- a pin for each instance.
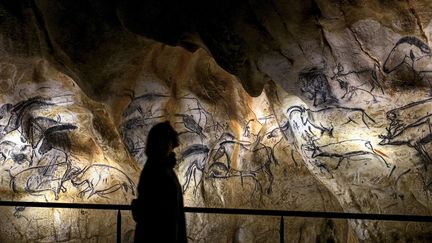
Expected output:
(290, 105)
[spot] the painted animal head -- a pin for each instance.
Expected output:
(293, 109)
(406, 51)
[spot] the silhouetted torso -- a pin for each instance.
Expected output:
(160, 203)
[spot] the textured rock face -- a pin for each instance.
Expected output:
(57, 145)
(332, 112)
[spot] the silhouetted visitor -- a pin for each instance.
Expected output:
(159, 210)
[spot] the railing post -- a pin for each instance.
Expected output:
(118, 226)
(282, 230)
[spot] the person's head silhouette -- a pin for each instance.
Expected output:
(161, 140)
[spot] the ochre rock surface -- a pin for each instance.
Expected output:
(288, 105)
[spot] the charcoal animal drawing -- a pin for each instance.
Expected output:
(195, 119)
(36, 153)
(315, 85)
(408, 62)
(141, 114)
(146, 110)
(347, 150)
(362, 79)
(251, 159)
(408, 51)
(196, 156)
(101, 180)
(411, 125)
(327, 119)
(308, 127)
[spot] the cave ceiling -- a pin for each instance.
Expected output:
(317, 105)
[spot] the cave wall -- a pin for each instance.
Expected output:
(296, 105)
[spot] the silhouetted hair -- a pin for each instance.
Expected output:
(159, 139)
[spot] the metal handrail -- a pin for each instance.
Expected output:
(237, 211)
(262, 212)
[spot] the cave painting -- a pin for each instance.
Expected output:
(312, 125)
(141, 114)
(353, 133)
(101, 180)
(409, 52)
(251, 159)
(146, 110)
(339, 141)
(411, 125)
(346, 150)
(409, 62)
(36, 153)
(325, 120)
(192, 126)
(40, 158)
(196, 155)
(367, 77)
(334, 138)
(315, 85)
(197, 129)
